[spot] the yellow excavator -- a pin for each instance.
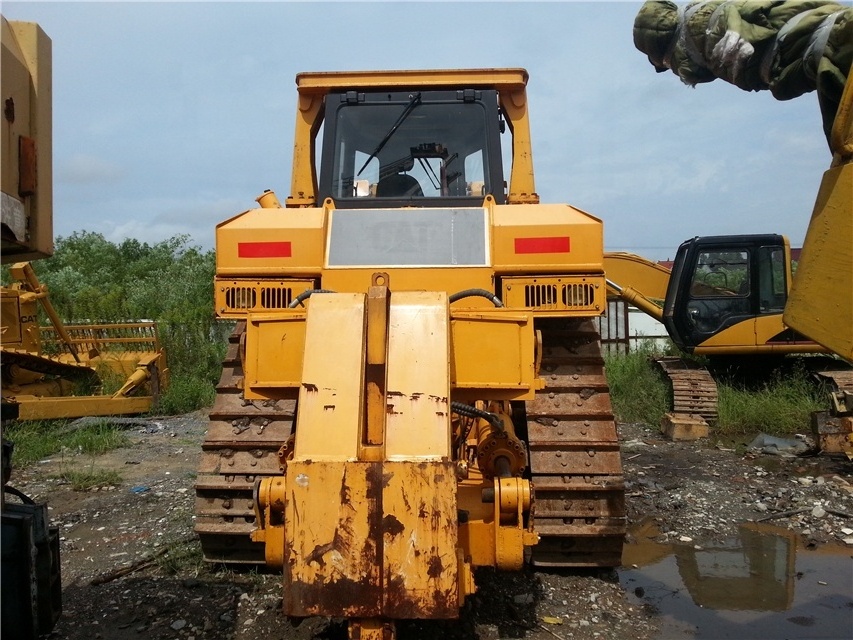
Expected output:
(788, 49)
(723, 299)
(415, 386)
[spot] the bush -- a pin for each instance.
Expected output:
(637, 388)
(186, 393)
(782, 406)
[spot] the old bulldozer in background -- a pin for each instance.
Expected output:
(415, 386)
(54, 371)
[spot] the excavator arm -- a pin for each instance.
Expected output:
(638, 281)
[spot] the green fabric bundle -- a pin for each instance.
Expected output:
(789, 47)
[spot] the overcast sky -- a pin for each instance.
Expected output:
(171, 117)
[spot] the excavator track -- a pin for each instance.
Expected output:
(575, 462)
(694, 391)
(241, 444)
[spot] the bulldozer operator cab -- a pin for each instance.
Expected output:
(424, 148)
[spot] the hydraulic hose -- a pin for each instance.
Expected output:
(297, 301)
(482, 293)
(473, 412)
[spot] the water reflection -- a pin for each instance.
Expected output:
(759, 584)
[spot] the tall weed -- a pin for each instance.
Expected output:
(781, 406)
(638, 392)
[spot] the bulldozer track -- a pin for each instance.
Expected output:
(241, 444)
(575, 463)
(574, 457)
(694, 391)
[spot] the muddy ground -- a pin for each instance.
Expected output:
(131, 567)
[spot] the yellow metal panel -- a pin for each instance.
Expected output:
(752, 336)
(275, 345)
(419, 540)
(44, 408)
(26, 73)
(272, 242)
(10, 318)
(234, 298)
(323, 82)
(332, 558)
(336, 513)
(551, 295)
(448, 279)
(821, 304)
(493, 354)
(522, 235)
(331, 397)
(418, 380)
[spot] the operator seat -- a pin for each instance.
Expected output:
(399, 185)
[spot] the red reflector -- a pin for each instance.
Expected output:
(542, 245)
(263, 249)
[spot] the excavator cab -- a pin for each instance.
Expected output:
(438, 147)
(723, 286)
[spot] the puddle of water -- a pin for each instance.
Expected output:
(762, 584)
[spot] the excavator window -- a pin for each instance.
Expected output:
(772, 288)
(720, 289)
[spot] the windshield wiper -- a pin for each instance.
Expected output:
(413, 102)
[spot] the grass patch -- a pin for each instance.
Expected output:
(35, 441)
(782, 406)
(186, 393)
(183, 557)
(91, 477)
(637, 390)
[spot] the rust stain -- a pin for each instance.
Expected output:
(386, 480)
(319, 551)
(345, 490)
(389, 409)
(392, 526)
(435, 567)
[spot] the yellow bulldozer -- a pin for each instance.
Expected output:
(415, 385)
(58, 370)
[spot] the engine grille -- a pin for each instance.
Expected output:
(573, 294)
(238, 297)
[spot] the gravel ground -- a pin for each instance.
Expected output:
(141, 528)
